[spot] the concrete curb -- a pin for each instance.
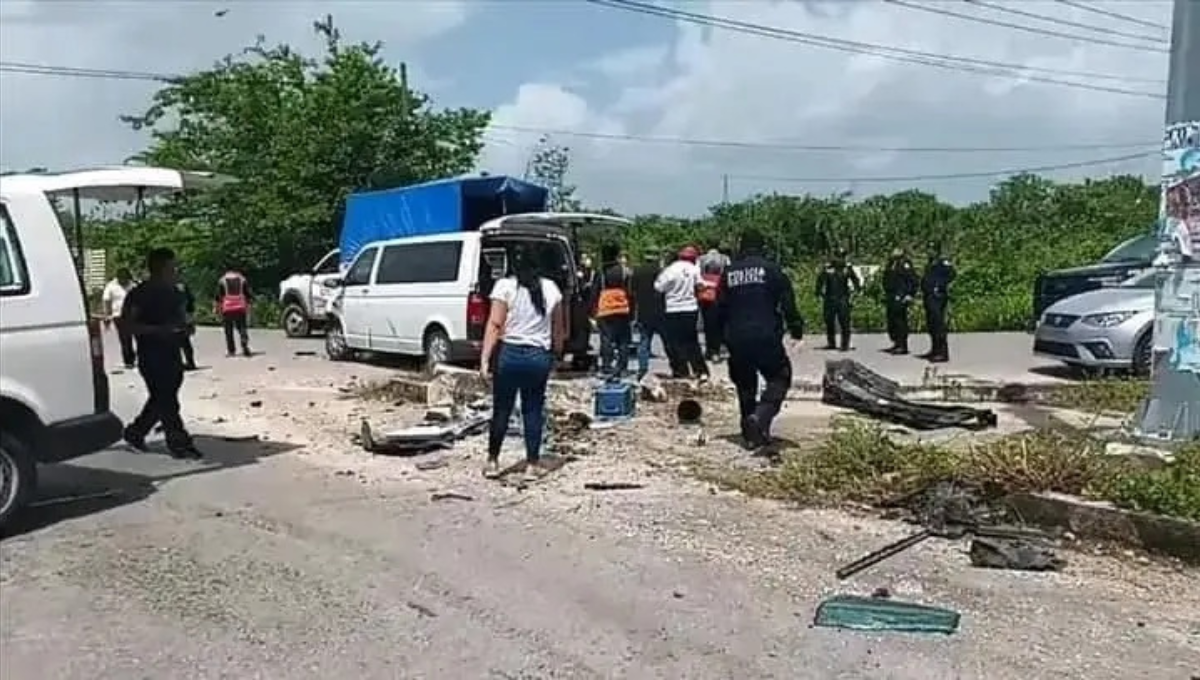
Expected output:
(1091, 520)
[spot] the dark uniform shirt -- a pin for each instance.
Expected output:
(186, 299)
(837, 282)
(646, 300)
(756, 303)
(153, 303)
(939, 274)
(899, 279)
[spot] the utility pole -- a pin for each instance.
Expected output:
(1172, 412)
(725, 189)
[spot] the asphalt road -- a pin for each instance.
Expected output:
(295, 557)
(994, 357)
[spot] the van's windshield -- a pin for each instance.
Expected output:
(1138, 249)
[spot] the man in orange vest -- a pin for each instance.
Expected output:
(233, 306)
(613, 309)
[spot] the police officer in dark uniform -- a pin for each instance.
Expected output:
(153, 314)
(755, 306)
(188, 300)
(935, 295)
(899, 288)
(835, 284)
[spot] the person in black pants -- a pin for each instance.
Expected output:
(935, 295)
(233, 305)
(153, 315)
(612, 306)
(755, 306)
(188, 301)
(835, 284)
(648, 310)
(899, 288)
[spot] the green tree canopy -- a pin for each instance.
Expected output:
(300, 133)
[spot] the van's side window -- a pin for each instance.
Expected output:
(359, 273)
(420, 263)
(14, 277)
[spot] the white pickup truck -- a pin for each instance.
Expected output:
(304, 297)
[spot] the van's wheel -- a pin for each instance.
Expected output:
(335, 342)
(437, 348)
(295, 321)
(1143, 355)
(18, 476)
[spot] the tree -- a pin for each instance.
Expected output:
(548, 166)
(300, 134)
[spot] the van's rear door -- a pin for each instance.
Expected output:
(568, 227)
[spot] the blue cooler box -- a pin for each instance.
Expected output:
(615, 400)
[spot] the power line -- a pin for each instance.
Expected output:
(1065, 22)
(73, 72)
(950, 176)
(1021, 27)
(949, 62)
(1111, 14)
(789, 146)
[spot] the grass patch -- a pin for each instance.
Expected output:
(1113, 394)
(860, 463)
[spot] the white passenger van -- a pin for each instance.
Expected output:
(54, 401)
(427, 296)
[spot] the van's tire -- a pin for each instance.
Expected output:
(18, 476)
(437, 347)
(335, 342)
(1143, 355)
(295, 321)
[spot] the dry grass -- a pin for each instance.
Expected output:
(860, 463)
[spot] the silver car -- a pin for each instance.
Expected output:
(1110, 328)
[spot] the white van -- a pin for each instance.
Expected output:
(54, 401)
(427, 296)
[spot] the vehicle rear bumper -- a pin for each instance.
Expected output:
(78, 437)
(465, 350)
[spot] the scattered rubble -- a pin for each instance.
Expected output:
(613, 486)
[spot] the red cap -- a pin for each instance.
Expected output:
(689, 253)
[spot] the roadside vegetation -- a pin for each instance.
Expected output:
(860, 463)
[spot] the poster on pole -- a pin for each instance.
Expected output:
(1177, 322)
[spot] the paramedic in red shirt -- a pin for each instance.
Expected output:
(233, 306)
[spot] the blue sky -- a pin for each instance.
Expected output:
(578, 70)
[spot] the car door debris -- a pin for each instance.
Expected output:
(849, 384)
(855, 612)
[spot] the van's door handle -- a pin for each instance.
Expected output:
(366, 290)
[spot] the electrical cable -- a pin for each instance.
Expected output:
(949, 62)
(1021, 27)
(788, 146)
(1111, 14)
(1065, 22)
(947, 176)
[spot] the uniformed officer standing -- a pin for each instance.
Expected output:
(899, 288)
(835, 284)
(153, 315)
(755, 305)
(935, 295)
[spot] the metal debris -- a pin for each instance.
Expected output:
(613, 486)
(450, 496)
(851, 385)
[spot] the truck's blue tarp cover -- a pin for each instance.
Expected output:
(460, 204)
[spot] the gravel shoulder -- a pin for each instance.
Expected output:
(299, 556)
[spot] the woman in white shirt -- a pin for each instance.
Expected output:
(526, 330)
(113, 299)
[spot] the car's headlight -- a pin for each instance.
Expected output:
(1108, 319)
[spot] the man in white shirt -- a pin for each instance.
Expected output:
(678, 283)
(113, 299)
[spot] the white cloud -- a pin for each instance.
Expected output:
(68, 122)
(717, 84)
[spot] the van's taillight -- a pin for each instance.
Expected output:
(97, 342)
(477, 310)
(100, 398)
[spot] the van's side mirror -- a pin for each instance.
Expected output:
(332, 283)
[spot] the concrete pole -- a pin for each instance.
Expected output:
(1172, 413)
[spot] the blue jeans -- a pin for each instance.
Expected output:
(524, 370)
(646, 333)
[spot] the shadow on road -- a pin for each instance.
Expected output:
(119, 477)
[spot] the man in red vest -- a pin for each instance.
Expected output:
(233, 306)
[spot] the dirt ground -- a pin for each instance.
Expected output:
(298, 555)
